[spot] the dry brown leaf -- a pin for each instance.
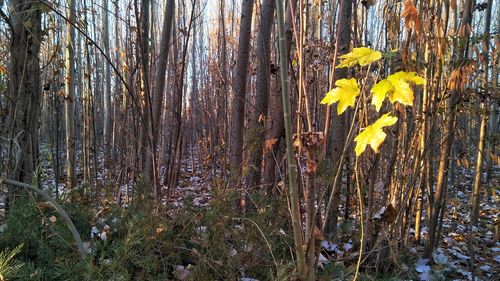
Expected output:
(268, 145)
(410, 14)
(44, 206)
(317, 234)
(311, 167)
(460, 77)
(160, 229)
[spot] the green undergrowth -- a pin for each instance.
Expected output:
(219, 242)
(210, 243)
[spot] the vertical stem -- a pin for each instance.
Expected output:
(292, 176)
(482, 127)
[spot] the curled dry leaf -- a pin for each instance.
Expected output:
(410, 14)
(311, 167)
(53, 219)
(160, 229)
(460, 77)
(268, 145)
(317, 234)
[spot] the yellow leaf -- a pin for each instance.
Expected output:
(373, 135)
(396, 86)
(3, 70)
(379, 91)
(53, 219)
(362, 56)
(345, 93)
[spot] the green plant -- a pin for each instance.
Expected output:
(8, 265)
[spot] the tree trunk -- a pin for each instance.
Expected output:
(239, 93)
(108, 121)
(476, 193)
(24, 91)
(159, 88)
(448, 132)
(277, 130)
(298, 237)
(69, 108)
(338, 130)
(143, 55)
(262, 89)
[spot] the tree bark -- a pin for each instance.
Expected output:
(277, 129)
(448, 132)
(239, 93)
(262, 85)
(476, 191)
(159, 88)
(24, 91)
(69, 106)
(108, 120)
(334, 152)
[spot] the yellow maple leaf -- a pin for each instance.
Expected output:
(345, 93)
(362, 56)
(373, 135)
(396, 86)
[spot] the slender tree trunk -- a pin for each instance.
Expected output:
(146, 146)
(338, 121)
(69, 107)
(222, 103)
(277, 130)
(108, 120)
(239, 92)
(448, 133)
(262, 88)
(159, 88)
(476, 192)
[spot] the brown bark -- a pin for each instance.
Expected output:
(24, 91)
(277, 129)
(159, 88)
(476, 192)
(448, 132)
(239, 93)
(262, 85)
(334, 152)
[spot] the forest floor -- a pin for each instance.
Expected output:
(463, 252)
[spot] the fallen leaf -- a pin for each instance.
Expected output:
(181, 272)
(53, 219)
